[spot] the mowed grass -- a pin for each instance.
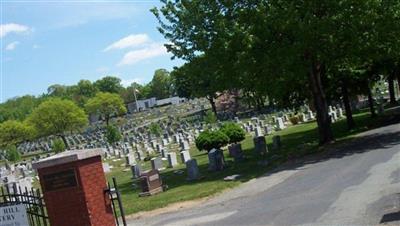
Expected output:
(297, 141)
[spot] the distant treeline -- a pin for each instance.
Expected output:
(18, 108)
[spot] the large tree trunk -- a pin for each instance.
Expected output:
(65, 141)
(321, 106)
(371, 101)
(391, 89)
(397, 74)
(346, 101)
(213, 106)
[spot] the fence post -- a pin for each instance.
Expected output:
(121, 208)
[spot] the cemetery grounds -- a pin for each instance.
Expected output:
(297, 141)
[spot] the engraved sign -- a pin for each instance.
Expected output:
(154, 177)
(13, 215)
(60, 180)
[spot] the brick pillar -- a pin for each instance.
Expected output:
(73, 184)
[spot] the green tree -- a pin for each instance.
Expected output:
(208, 140)
(58, 146)
(160, 85)
(234, 132)
(12, 153)
(13, 132)
(109, 84)
(112, 134)
(18, 108)
(86, 88)
(58, 117)
(106, 105)
(199, 78)
(289, 44)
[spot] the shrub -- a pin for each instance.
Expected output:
(12, 154)
(208, 140)
(210, 117)
(58, 146)
(112, 134)
(155, 129)
(234, 132)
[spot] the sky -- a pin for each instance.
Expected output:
(61, 42)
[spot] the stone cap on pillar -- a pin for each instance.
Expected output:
(66, 157)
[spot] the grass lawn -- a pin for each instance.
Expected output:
(297, 141)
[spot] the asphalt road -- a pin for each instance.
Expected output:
(356, 184)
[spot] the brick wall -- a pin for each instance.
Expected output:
(84, 205)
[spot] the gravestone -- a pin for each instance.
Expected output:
(340, 113)
(268, 129)
(171, 156)
(258, 132)
(156, 163)
(260, 146)
(185, 156)
(192, 170)
(136, 170)
(310, 115)
(130, 159)
(164, 153)
(216, 160)
(184, 146)
(235, 151)
(279, 123)
(150, 183)
(276, 142)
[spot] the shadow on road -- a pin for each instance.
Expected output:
(390, 217)
(374, 142)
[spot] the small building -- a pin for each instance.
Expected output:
(170, 100)
(141, 104)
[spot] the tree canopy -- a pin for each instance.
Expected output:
(288, 51)
(13, 132)
(57, 117)
(106, 105)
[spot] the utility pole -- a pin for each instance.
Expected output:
(134, 94)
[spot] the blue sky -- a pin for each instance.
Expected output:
(45, 43)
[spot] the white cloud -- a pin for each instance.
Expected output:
(127, 82)
(36, 46)
(6, 29)
(12, 45)
(134, 56)
(129, 42)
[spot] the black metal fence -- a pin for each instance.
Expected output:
(116, 203)
(36, 209)
(33, 201)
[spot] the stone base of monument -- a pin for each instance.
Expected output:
(151, 192)
(151, 183)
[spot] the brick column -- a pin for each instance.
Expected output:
(73, 184)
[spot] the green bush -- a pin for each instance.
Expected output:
(208, 140)
(112, 134)
(234, 132)
(155, 129)
(12, 154)
(58, 145)
(210, 117)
